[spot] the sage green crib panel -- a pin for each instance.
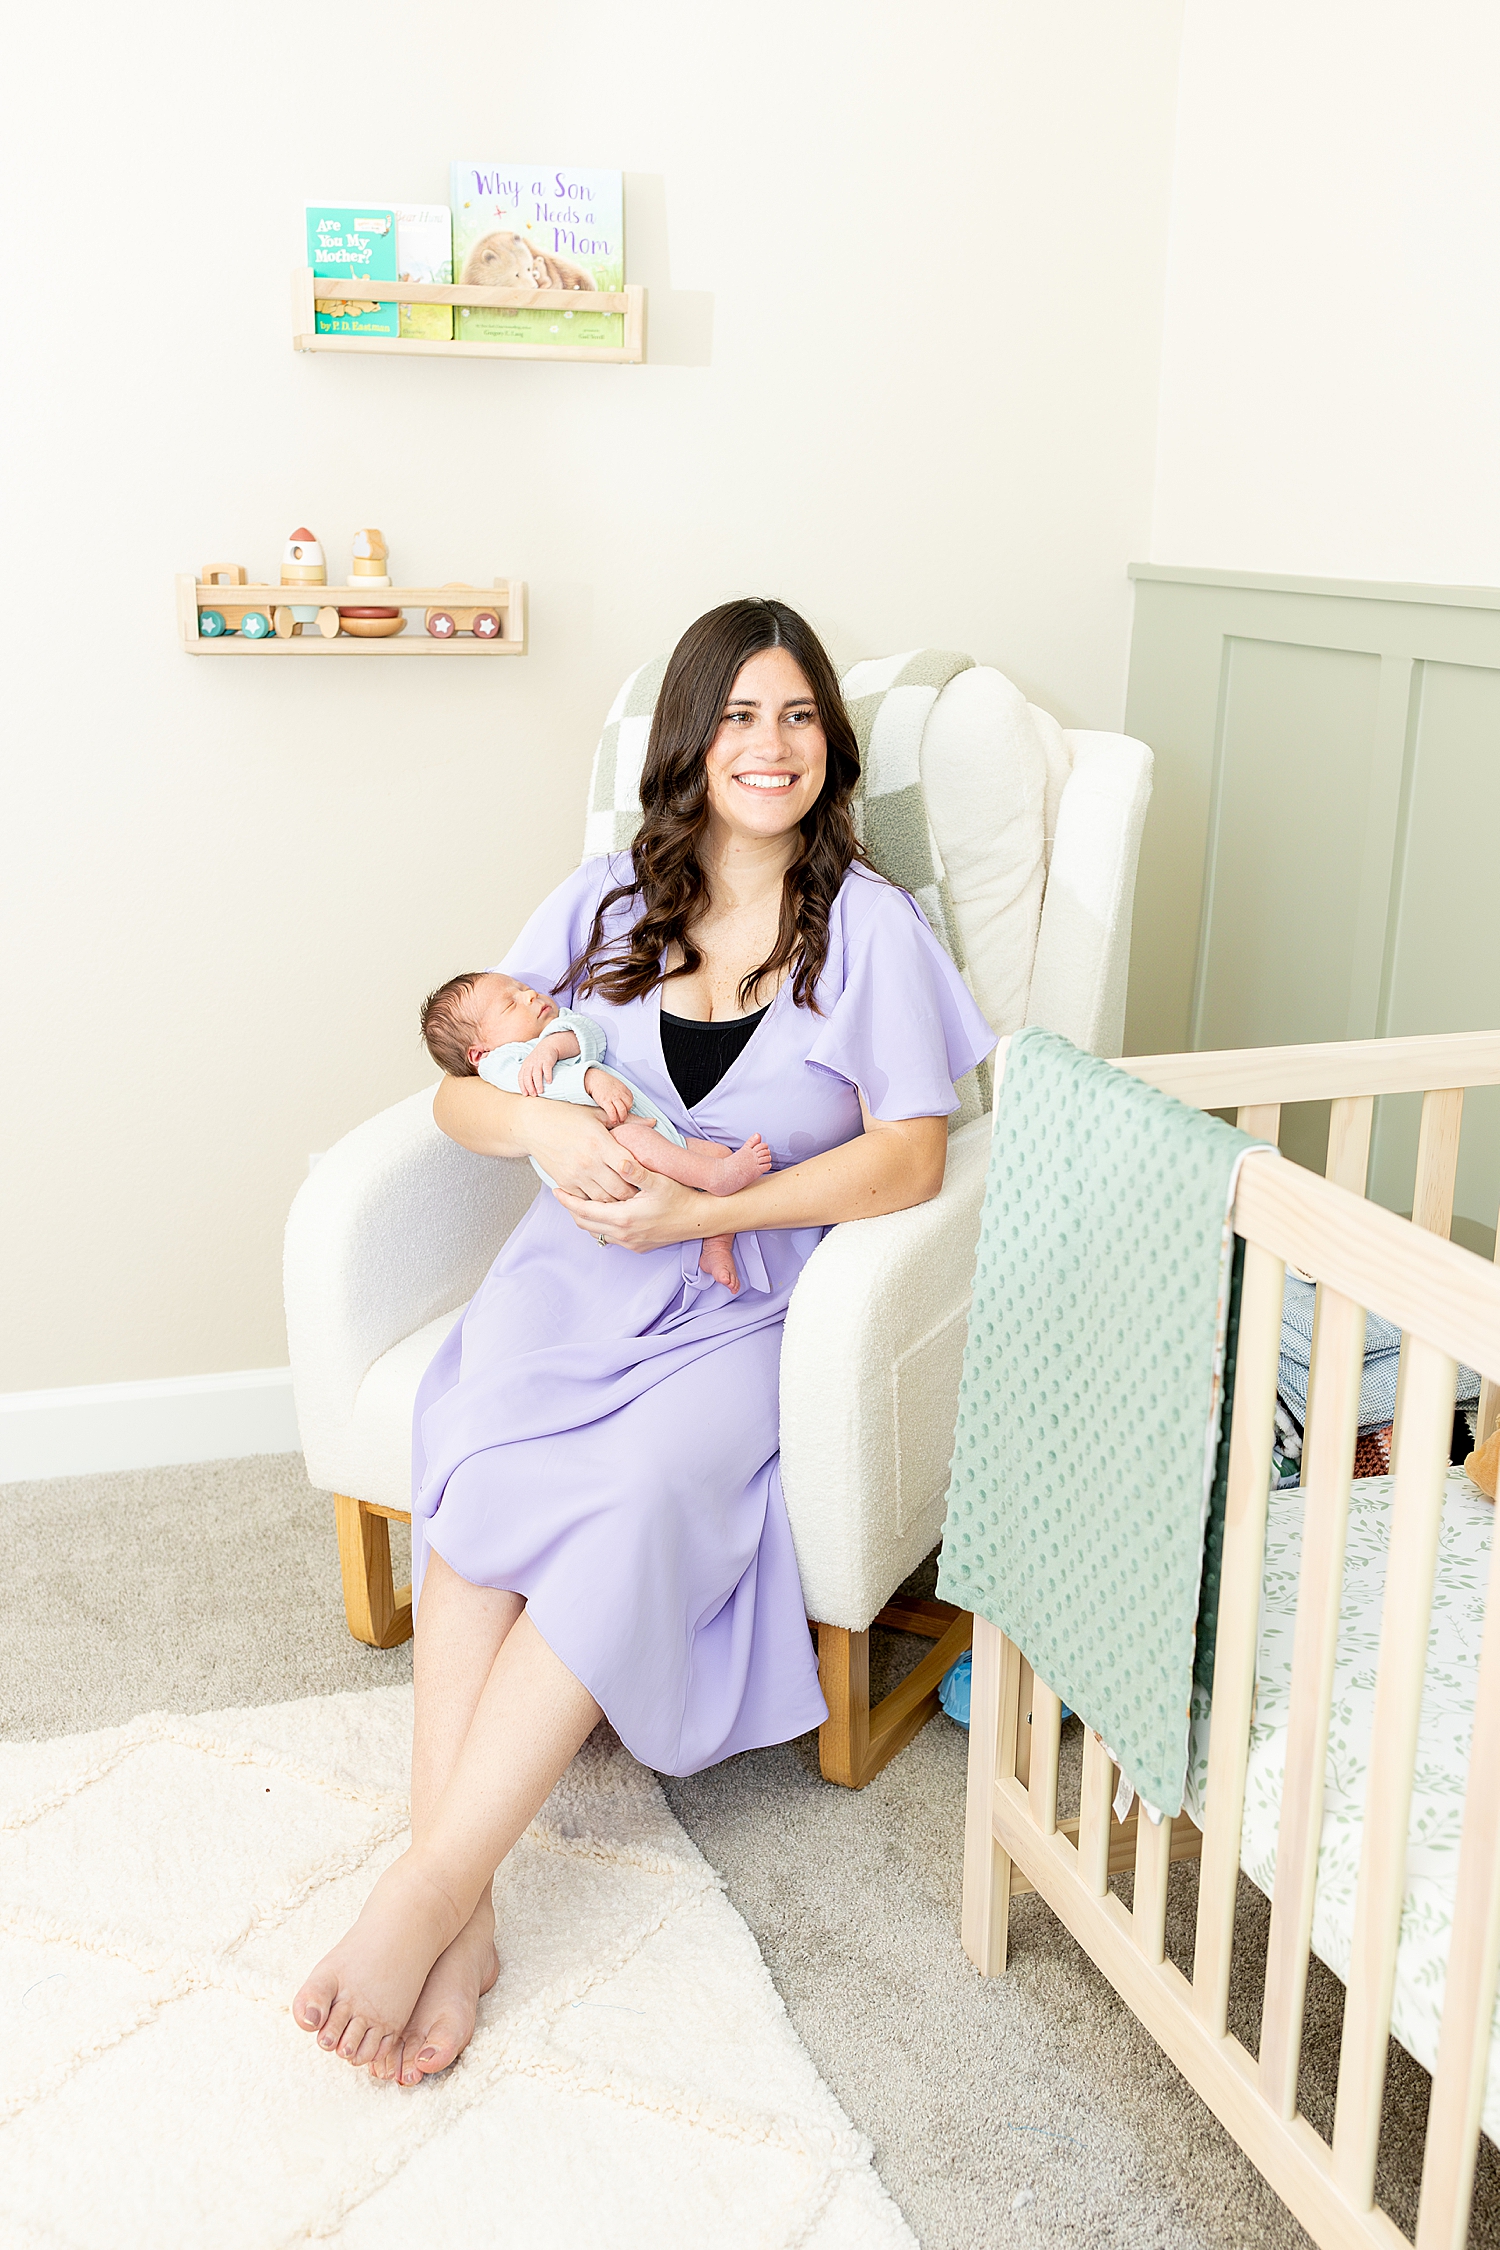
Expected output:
(1327, 785)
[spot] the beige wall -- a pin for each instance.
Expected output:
(1332, 335)
(905, 300)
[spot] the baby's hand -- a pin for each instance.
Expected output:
(536, 1071)
(615, 1100)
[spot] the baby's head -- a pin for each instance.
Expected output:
(469, 1015)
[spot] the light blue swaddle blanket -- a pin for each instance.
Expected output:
(502, 1067)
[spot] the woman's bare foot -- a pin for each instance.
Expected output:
(360, 1996)
(442, 2022)
(741, 1168)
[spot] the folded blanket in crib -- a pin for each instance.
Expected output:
(1377, 1389)
(1089, 1409)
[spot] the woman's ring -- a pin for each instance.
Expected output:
(602, 1240)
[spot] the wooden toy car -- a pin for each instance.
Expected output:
(255, 619)
(483, 622)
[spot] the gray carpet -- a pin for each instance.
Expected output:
(1031, 2108)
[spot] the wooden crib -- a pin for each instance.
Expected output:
(1447, 1302)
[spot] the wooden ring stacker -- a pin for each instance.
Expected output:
(371, 624)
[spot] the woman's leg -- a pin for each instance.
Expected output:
(459, 1629)
(530, 1719)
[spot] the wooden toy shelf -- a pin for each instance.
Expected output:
(631, 301)
(507, 596)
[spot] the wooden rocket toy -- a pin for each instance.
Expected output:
(302, 564)
(369, 621)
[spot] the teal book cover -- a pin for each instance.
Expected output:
(539, 226)
(344, 242)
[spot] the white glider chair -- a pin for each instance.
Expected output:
(388, 1239)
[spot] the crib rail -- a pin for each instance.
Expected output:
(1447, 1302)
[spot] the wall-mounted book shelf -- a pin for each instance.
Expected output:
(566, 303)
(456, 620)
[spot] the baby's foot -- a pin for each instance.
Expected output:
(360, 1995)
(740, 1169)
(716, 1257)
(442, 2022)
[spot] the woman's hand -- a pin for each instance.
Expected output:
(662, 1213)
(569, 1142)
(581, 1154)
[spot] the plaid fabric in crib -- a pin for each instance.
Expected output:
(889, 700)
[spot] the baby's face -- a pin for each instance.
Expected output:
(507, 1012)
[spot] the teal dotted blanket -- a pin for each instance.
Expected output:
(1088, 1424)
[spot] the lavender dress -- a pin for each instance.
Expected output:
(600, 1431)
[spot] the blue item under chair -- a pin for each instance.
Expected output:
(953, 1692)
(954, 1687)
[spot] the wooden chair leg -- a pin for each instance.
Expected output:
(844, 1676)
(376, 1610)
(854, 1741)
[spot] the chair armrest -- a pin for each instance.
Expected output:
(870, 1365)
(396, 1226)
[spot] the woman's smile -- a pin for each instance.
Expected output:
(770, 752)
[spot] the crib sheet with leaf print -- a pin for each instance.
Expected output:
(1444, 1732)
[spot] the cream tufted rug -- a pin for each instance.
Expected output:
(163, 1887)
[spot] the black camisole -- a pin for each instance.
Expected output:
(698, 1054)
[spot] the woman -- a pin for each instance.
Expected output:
(598, 1525)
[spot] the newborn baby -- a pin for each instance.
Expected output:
(485, 1025)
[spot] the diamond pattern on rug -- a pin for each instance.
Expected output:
(633, 2077)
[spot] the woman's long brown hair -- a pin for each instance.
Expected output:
(668, 871)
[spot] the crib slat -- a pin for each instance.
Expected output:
(1349, 1123)
(994, 1682)
(1463, 2056)
(1046, 1735)
(1348, 1166)
(1024, 1695)
(1437, 1161)
(1153, 1858)
(1423, 1433)
(1334, 1390)
(1093, 1814)
(1263, 1119)
(1489, 1389)
(1239, 1615)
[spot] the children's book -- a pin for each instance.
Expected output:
(538, 226)
(344, 242)
(424, 252)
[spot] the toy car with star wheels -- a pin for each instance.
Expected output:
(482, 620)
(251, 612)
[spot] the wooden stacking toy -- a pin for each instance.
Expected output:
(368, 621)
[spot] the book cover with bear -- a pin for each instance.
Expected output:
(345, 241)
(539, 226)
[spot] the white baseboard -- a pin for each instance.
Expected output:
(101, 1426)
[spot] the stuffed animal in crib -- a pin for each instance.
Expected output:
(1482, 1467)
